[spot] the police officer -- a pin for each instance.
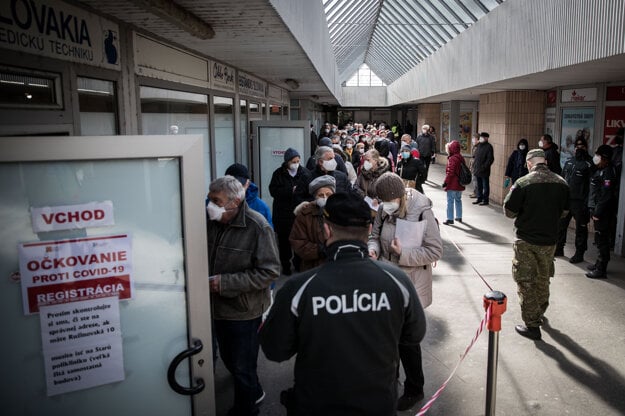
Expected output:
(345, 321)
(537, 200)
(577, 172)
(603, 207)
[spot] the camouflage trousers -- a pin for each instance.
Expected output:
(532, 266)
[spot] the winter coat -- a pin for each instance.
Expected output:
(257, 204)
(426, 144)
(412, 169)
(287, 192)
(365, 183)
(245, 254)
(577, 172)
(311, 163)
(307, 237)
(343, 321)
(452, 170)
(516, 166)
(483, 158)
(552, 155)
(416, 262)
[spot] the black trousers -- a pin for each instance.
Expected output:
(426, 160)
(579, 211)
(410, 357)
(602, 238)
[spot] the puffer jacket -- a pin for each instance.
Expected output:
(245, 254)
(307, 237)
(365, 183)
(416, 262)
(483, 158)
(452, 170)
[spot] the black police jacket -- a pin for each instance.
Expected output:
(344, 320)
(603, 187)
(577, 172)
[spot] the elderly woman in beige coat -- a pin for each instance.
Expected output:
(399, 203)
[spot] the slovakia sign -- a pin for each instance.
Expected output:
(70, 217)
(63, 271)
(58, 30)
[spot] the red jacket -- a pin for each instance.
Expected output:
(452, 170)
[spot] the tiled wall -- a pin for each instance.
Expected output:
(429, 114)
(509, 116)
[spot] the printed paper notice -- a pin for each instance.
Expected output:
(82, 344)
(410, 233)
(63, 271)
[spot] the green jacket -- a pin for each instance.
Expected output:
(538, 200)
(245, 254)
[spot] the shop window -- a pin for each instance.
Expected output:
(30, 89)
(176, 112)
(254, 108)
(96, 101)
(224, 133)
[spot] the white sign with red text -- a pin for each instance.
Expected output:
(579, 95)
(64, 271)
(82, 344)
(71, 217)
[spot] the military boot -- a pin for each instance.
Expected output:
(599, 272)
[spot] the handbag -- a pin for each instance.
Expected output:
(464, 176)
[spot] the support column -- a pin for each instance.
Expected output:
(509, 116)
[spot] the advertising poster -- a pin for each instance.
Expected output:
(614, 120)
(65, 271)
(466, 127)
(82, 344)
(576, 122)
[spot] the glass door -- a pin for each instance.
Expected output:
(106, 305)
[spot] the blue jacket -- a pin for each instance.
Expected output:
(257, 204)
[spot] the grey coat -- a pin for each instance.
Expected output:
(416, 262)
(245, 254)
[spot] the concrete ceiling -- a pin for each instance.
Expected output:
(249, 35)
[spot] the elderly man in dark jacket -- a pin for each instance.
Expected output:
(483, 158)
(243, 262)
(552, 155)
(326, 165)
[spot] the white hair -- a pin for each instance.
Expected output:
(229, 185)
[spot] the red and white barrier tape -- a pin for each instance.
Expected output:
(430, 402)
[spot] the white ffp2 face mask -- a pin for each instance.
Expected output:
(521, 147)
(596, 159)
(541, 144)
(329, 165)
(294, 166)
(321, 202)
(390, 207)
(215, 212)
(367, 165)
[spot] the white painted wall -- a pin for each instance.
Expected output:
(364, 97)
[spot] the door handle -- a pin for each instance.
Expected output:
(171, 371)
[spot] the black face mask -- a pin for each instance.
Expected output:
(580, 153)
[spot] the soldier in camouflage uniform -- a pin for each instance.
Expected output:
(537, 201)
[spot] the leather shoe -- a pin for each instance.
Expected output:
(459, 219)
(448, 222)
(597, 274)
(407, 401)
(531, 332)
(577, 258)
(476, 202)
(483, 203)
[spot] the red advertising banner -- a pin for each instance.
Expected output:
(614, 120)
(615, 94)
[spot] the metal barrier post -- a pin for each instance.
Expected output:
(495, 304)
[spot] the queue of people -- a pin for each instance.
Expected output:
(362, 252)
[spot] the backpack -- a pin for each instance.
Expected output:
(464, 176)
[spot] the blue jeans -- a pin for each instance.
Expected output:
(483, 188)
(238, 345)
(454, 197)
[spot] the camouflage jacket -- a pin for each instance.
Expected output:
(537, 200)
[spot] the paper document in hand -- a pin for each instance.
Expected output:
(410, 233)
(371, 203)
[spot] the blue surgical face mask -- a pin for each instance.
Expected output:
(405, 155)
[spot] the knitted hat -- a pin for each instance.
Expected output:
(325, 181)
(290, 154)
(535, 153)
(605, 151)
(348, 210)
(325, 141)
(389, 186)
(239, 171)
